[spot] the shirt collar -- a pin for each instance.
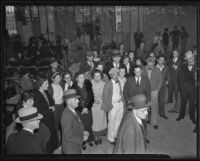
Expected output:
(137, 78)
(31, 131)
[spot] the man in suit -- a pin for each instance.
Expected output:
(165, 79)
(138, 37)
(137, 85)
(175, 34)
(155, 77)
(187, 77)
(67, 82)
(131, 136)
(129, 67)
(116, 57)
(72, 127)
(25, 141)
(113, 104)
(174, 67)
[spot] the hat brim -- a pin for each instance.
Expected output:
(74, 96)
(40, 116)
(114, 55)
(133, 106)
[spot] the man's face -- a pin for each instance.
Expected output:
(29, 102)
(161, 61)
(67, 78)
(35, 124)
(54, 65)
(115, 76)
(81, 78)
(175, 54)
(126, 61)
(150, 63)
(138, 72)
(122, 72)
(74, 102)
(116, 59)
(141, 113)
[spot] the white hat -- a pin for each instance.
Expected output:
(27, 114)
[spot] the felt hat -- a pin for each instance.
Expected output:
(71, 93)
(138, 102)
(115, 53)
(28, 114)
(53, 60)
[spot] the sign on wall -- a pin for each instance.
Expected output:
(118, 14)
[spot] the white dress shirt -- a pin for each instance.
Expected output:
(128, 67)
(160, 67)
(116, 92)
(136, 78)
(115, 65)
(57, 93)
(28, 130)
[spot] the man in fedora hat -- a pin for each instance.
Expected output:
(116, 57)
(154, 75)
(25, 141)
(72, 127)
(131, 138)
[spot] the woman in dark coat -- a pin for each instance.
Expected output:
(45, 105)
(84, 89)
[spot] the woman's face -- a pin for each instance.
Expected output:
(138, 62)
(29, 102)
(126, 61)
(45, 85)
(57, 79)
(97, 77)
(81, 78)
(100, 67)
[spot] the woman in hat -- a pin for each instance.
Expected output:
(99, 126)
(131, 136)
(25, 141)
(45, 105)
(84, 89)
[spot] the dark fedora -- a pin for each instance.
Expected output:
(138, 102)
(115, 53)
(53, 60)
(71, 93)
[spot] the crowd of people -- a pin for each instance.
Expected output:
(117, 97)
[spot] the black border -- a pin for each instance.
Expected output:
(97, 3)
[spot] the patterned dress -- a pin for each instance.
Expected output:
(99, 126)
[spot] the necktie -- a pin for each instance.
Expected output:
(45, 96)
(138, 82)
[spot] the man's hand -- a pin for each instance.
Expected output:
(52, 108)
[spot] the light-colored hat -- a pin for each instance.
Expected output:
(188, 55)
(71, 93)
(114, 71)
(28, 114)
(138, 102)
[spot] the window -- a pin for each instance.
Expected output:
(10, 20)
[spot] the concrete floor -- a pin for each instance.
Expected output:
(173, 138)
